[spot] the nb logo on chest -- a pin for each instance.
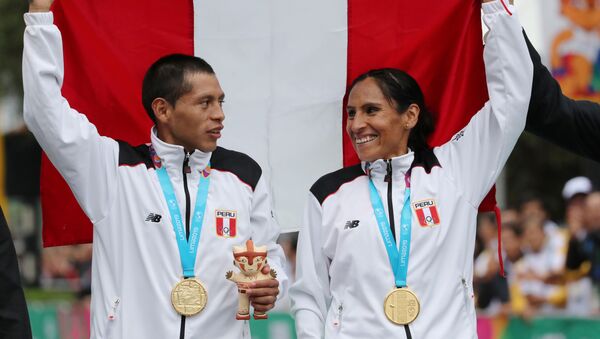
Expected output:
(153, 217)
(351, 224)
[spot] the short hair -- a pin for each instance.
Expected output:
(529, 197)
(166, 79)
(399, 88)
(514, 227)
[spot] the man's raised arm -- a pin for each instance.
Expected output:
(86, 160)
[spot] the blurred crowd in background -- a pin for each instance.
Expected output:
(551, 268)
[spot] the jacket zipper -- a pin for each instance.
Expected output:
(466, 291)
(388, 179)
(185, 170)
(338, 321)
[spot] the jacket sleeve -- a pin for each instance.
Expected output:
(310, 294)
(265, 231)
(571, 124)
(87, 161)
(475, 156)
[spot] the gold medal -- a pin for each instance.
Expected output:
(401, 306)
(189, 297)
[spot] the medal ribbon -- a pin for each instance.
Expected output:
(187, 249)
(398, 257)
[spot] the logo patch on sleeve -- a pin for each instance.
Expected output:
(226, 221)
(427, 212)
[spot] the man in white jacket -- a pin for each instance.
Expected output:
(166, 215)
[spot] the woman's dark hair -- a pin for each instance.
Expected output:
(166, 79)
(402, 90)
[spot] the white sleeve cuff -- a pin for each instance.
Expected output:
(38, 18)
(497, 7)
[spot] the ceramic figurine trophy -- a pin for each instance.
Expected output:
(250, 260)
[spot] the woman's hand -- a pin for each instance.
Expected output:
(40, 5)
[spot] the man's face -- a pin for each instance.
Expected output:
(196, 119)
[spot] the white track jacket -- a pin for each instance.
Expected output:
(135, 256)
(343, 272)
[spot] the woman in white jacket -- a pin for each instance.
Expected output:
(386, 250)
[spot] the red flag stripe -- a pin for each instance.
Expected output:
(421, 217)
(232, 228)
(434, 214)
(105, 44)
(441, 50)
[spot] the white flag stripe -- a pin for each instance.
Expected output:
(226, 227)
(428, 217)
(282, 65)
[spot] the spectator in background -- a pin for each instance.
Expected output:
(491, 288)
(579, 285)
(541, 261)
(510, 216)
(511, 245)
(575, 192)
(584, 255)
(14, 319)
(534, 208)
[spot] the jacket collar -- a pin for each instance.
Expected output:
(173, 155)
(400, 165)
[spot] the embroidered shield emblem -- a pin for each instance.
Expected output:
(427, 212)
(226, 223)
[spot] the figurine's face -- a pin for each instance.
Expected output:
(250, 265)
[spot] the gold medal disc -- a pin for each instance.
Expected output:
(401, 306)
(189, 297)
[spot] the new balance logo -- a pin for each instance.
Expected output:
(458, 135)
(351, 224)
(153, 217)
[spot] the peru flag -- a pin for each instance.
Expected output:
(226, 223)
(284, 66)
(427, 213)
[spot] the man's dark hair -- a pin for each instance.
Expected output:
(166, 79)
(402, 90)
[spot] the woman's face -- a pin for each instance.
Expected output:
(376, 129)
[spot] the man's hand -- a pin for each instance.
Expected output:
(263, 293)
(40, 5)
